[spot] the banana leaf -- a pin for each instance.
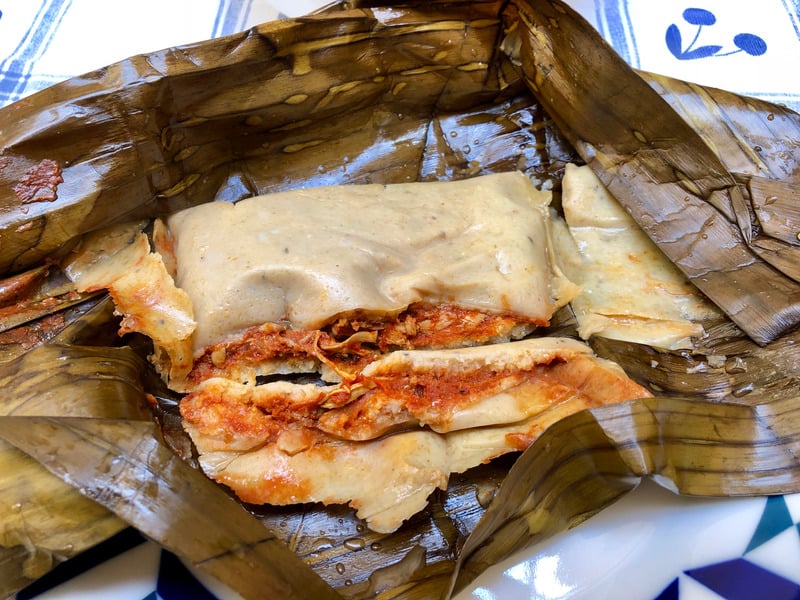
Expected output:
(424, 91)
(660, 168)
(46, 520)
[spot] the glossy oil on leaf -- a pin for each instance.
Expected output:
(364, 93)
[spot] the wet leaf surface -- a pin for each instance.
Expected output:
(417, 92)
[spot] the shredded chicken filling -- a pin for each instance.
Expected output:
(349, 343)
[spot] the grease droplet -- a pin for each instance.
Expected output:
(323, 543)
(340, 568)
(742, 391)
(354, 543)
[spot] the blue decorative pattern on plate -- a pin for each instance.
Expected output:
(650, 545)
(740, 46)
(744, 42)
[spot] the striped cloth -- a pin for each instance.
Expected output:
(738, 45)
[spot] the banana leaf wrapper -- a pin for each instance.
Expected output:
(360, 94)
(44, 519)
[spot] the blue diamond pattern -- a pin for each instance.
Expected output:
(774, 520)
(739, 579)
(176, 582)
(671, 592)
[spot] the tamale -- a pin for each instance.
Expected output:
(629, 290)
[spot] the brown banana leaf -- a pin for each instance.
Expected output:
(658, 167)
(755, 151)
(261, 111)
(418, 92)
(138, 469)
(32, 294)
(46, 520)
(777, 206)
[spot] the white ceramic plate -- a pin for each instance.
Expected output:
(651, 545)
